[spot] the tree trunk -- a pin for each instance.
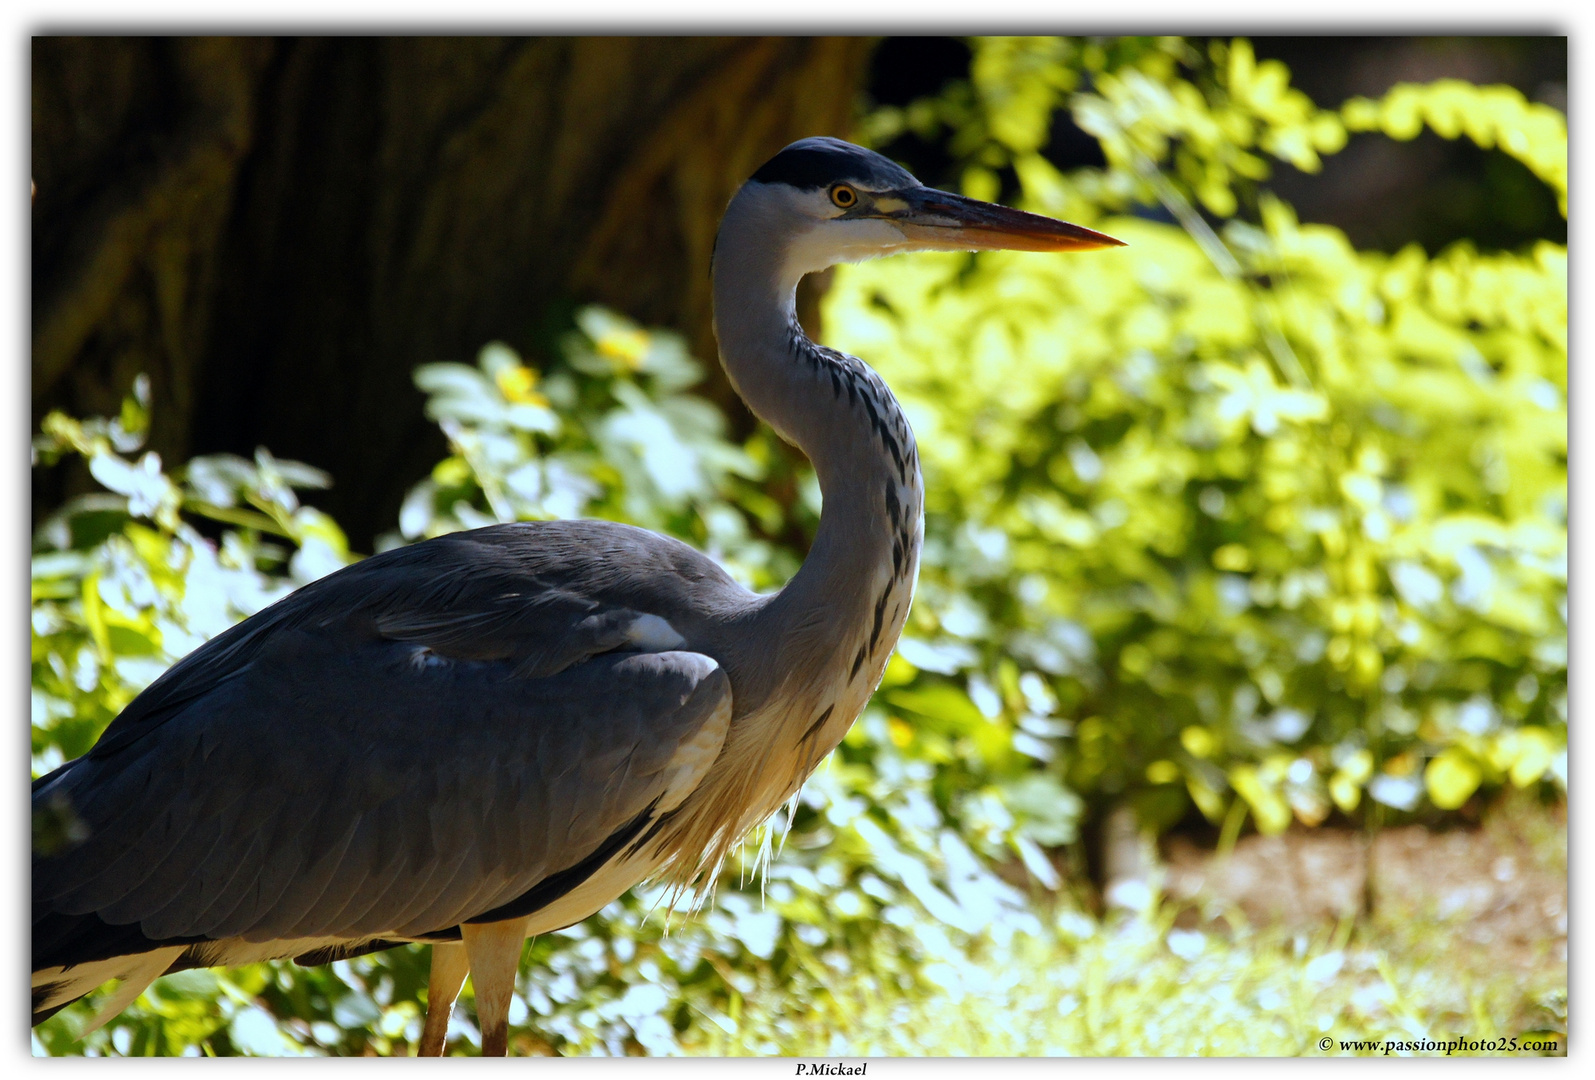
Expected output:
(278, 231)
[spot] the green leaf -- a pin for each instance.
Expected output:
(939, 701)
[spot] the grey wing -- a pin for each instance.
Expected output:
(504, 593)
(330, 787)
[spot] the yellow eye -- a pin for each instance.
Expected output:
(844, 196)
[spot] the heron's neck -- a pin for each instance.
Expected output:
(854, 588)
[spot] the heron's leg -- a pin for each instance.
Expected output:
(449, 965)
(495, 952)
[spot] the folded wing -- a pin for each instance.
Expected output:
(381, 759)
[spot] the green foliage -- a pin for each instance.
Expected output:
(1491, 116)
(1271, 518)
(607, 433)
(123, 585)
(1148, 988)
(1237, 518)
(1157, 985)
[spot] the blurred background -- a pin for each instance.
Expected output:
(1232, 711)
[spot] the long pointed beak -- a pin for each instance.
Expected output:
(941, 221)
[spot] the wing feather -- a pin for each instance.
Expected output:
(293, 909)
(398, 747)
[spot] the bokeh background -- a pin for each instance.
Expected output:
(1232, 711)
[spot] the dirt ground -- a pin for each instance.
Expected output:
(1502, 886)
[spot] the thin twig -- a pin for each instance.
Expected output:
(1219, 254)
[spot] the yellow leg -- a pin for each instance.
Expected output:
(495, 952)
(449, 965)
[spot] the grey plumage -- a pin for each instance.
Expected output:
(494, 733)
(527, 644)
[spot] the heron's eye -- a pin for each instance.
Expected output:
(844, 196)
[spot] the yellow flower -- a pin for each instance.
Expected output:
(629, 347)
(516, 383)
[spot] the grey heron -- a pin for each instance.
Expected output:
(492, 734)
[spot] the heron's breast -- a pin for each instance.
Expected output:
(820, 720)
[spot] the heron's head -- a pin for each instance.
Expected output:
(825, 201)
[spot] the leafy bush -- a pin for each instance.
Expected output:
(1236, 518)
(1266, 516)
(123, 585)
